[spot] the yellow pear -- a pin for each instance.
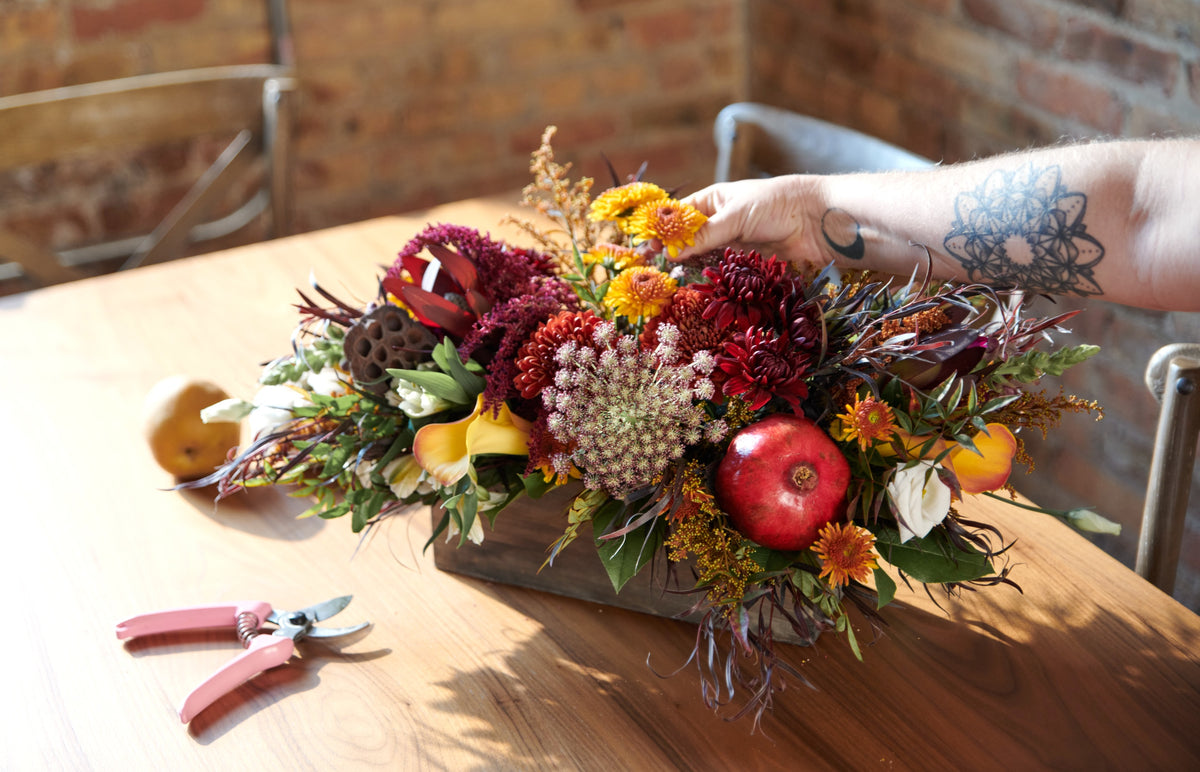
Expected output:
(182, 444)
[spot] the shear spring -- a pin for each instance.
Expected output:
(247, 627)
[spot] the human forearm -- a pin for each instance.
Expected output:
(1112, 220)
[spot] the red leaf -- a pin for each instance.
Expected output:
(434, 310)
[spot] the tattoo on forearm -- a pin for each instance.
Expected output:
(842, 233)
(1025, 229)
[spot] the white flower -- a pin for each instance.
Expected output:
(273, 407)
(327, 381)
(476, 534)
(227, 411)
(406, 477)
(1092, 522)
(413, 400)
(921, 499)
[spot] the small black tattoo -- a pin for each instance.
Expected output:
(843, 234)
(1025, 229)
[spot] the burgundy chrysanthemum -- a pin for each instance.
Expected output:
(745, 289)
(801, 319)
(696, 333)
(760, 364)
(536, 359)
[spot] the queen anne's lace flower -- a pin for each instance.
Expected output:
(625, 413)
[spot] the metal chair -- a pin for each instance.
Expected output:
(1173, 377)
(249, 102)
(757, 140)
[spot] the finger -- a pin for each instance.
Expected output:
(707, 200)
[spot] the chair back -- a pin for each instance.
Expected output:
(757, 140)
(249, 102)
(1173, 377)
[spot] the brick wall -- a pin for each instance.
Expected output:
(401, 104)
(405, 104)
(959, 79)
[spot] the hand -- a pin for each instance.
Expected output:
(776, 216)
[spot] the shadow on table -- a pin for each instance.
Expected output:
(300, 674)
(268, 512)
(1064, 688)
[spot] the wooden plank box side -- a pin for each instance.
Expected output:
(516, 549)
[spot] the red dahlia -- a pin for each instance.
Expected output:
(535, 361)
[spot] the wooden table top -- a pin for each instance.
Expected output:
(1090, 667)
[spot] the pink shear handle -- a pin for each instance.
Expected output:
(191, 618)
(264, 653)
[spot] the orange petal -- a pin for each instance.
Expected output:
(445, 449)
(505, 433)
(441, 449)
(988, 469)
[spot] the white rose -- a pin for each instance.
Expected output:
(921, 499)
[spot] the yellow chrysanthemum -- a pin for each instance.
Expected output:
(617, 203)
(672, 222)
(622, 257)
(846, 552)
(867, 420)
(639, 292)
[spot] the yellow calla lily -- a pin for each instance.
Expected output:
(444, 450)
(989, 469)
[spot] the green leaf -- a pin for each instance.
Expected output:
(624, 556)
(885, 588)
(1031, 365)
(932, 559)
(438, 384)
(446, 357)
(536, 485)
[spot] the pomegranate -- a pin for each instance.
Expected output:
(782, 479)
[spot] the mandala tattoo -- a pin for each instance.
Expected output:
(1024, 229)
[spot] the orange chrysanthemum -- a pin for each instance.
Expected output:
(617, 203)
(867, 420)
(639, 292)
(672, 222)
(622, 257)
(846, 552)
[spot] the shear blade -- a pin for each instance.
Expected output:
(333, 632)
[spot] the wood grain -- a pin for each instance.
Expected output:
(1089, 667)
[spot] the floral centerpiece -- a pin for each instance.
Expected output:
(782, 435)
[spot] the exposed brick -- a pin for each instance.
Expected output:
(1120, 55)
(25, 28)
(1021, 19)
(1063, 93)
(124, 16)
(31, 73)
(1111, 7)
(183, 49)
(605, 5)
(675, 25)
(970, 55)
(1177, 20)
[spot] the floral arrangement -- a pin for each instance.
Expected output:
(778, 436)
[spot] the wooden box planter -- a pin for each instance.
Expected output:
(516, 549)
